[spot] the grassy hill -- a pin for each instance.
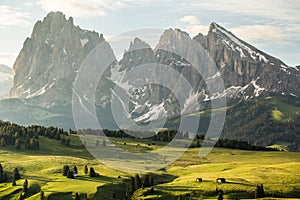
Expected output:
(243, 170)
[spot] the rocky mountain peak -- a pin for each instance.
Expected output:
(138, 44)
(49, 59)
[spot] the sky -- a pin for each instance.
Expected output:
(271, 25)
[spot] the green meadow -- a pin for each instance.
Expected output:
(279, 172)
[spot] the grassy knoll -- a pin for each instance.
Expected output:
(243, 170)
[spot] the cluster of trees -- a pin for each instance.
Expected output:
(71, 173)
(235, 144)
(165, 135)
(136, 183)
(27, 136)
(259, 192)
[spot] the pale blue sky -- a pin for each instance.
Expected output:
(271, 25)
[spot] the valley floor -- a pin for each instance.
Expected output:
(279, 172)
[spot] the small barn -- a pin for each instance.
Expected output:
(199, 179)
(221, 180)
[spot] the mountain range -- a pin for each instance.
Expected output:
(257, 86)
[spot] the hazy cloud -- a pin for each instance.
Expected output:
(13, 17)
(266, 33)
(193, 25)
(287, 10)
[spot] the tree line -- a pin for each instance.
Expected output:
(28, 136)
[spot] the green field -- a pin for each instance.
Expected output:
(279, 172)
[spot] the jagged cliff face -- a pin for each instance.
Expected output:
(46, 66)
(50, 59)
(247, 71)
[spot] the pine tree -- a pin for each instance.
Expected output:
(220, 196)
(262, 191)
(65, 170)
(1, 174)
(75, 170)
(25, 185)
(14, 183)
(146, 181)
(130, 188)
(86, 171)
(151, 182)
(77, 197)
(42, 195)
(70, 174)
(16, 173)
(21, 196)
(138, 182)
(92, 172)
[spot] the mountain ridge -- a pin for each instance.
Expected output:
(48, 63)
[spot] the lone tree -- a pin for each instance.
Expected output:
(130, 188)
(75, 170)
(220, 196)
(25, 185)
(259, 192)
(86, 170)
(146, 181)
(14, 183)
(65, 170)
(3, 176)
(77, 197)
(92, 172)
(16, 173)
(138, 182)
(42, 195)
(70, 174)
(21, 196)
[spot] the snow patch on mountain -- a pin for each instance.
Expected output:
(241, 47)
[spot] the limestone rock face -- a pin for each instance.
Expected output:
(47, 64)
(46, 67)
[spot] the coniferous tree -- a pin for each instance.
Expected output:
(151, 181)
(130, 188)
(16, 173)
(75, 170)
(92, 172)
(25, 185)
(146, 181)
(262, 191)
(77, 197)
(70, 174)
(2, 176)
(42, 195)
(21, 196)
(65, 170)
(220, 196)
(86, 171)
(138, 182)
(14, 183)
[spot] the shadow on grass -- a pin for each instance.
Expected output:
(102, 179)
